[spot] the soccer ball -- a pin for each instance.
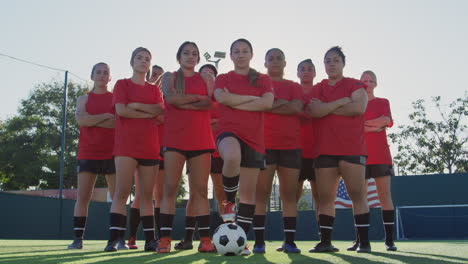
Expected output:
(229, 239)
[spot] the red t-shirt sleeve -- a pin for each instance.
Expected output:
(220, 83)
(159, 97)
(120, 95)
(387, 112)
(315, 93)
(357, 85)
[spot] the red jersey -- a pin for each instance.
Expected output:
(97, 143)
(308, 127)
(284, 131)
(247, 125)
(215, 115)
(136, 137)
(377, 145)
(336, 134)
(189, 129)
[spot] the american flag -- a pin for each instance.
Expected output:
(343, 201)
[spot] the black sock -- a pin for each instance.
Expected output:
(259, 229)
(117, 224)
(166, 224)
(326, 228)
(362, 226)
(148, 227)
(245, 216)
(134, 216)
(388, 217)
(231, 185)
(189, 227)
(79, 224)
(203, 225)
(289, 224)
(157, 223)
(124, 227)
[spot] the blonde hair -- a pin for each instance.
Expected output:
(371, 74)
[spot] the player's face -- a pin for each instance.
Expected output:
(333, 65)
(306, 72)
(155, 75)
(142, 62)
(369, 81)
(241, 55)
(101, 75)
(209, 71)
(189, 56)
(275, 62)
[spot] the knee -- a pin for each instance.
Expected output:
(231, 160)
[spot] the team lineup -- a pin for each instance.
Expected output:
(241, 128)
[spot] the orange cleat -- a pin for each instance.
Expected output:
(164, 245)
(206, 246)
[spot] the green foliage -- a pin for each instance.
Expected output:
(429, 146)
(30, 153)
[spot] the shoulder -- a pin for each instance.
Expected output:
(82, 98)
(353, 82)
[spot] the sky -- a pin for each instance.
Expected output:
(416, 48)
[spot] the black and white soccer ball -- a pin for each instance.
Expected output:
(229, 239)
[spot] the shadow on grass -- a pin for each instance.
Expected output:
(435, 255)
(414, 259)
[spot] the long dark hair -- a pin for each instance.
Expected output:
(252, 75)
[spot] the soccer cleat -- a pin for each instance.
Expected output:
(111, 246)
(323, 247)
(280, 249)
(164, 245)
(354, 246)
(259, 249)
(229, 212)
(364, 248)
(206, 245)
(183, 245)
(246, 251)
(76, 244)
(132, 243)
(291, 248)
(121, 245)
(390, 246)
(151, 245)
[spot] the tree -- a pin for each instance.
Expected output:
(429, 146)
(30, 153)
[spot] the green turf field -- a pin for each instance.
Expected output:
(53, 251)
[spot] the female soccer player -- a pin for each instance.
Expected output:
(339, 104)
(216, 167)
(243, 95)
(187, 137)
(134, 214)
(283, 153)
(137, 104)
(379, 160)
(95, 116)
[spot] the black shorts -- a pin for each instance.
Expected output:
(96, 166)
(161, 164)
(379, 170)
(216, 165)
(189, 153)
(307, 170)
(147, 162)
(332, 161)
(287, 158)
(249, 157)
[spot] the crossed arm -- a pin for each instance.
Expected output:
(285, 107)
(376, 125)
(186, 101)
(244, 102)
(106, 120)
(346, 106)
(139, 110)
